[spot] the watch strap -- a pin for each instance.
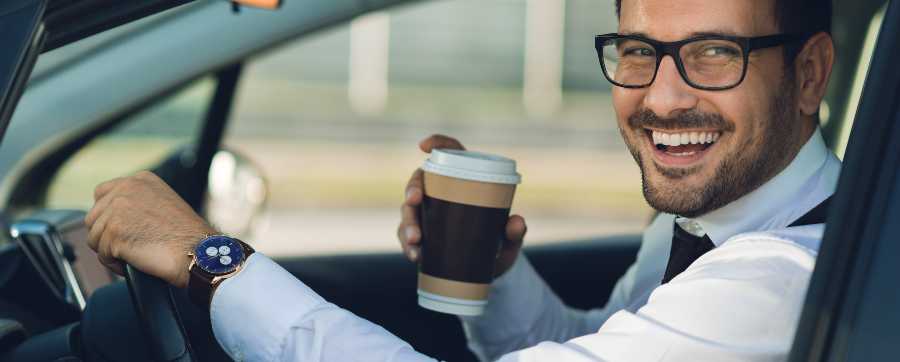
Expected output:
(200, 287)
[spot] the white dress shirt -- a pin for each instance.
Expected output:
(739, 302)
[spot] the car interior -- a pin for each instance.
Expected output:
(57, 303)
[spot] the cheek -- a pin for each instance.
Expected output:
(745, 111)
(750, 105)
(626, 102)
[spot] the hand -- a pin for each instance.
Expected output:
(410, 234)
(141, 221)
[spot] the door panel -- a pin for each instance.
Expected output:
(382, 287)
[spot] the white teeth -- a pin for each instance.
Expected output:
(683, 138)
(674, 140)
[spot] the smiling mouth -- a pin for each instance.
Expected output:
(681, 147)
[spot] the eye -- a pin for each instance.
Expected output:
(637, 51)
(717, 51)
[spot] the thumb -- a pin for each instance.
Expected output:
(515, 234)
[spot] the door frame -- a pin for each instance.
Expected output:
(848, 313)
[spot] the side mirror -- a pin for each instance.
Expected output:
(237, 194)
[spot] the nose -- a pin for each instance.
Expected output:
(669, 94)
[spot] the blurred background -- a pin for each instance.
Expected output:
(332, 121)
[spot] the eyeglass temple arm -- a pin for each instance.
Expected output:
(772, 41)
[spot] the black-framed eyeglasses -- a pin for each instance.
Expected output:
(708, 62)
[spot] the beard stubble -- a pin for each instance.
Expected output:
(740, 172)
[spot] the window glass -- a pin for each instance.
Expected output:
(138, 143)
(859, 78)
(333, 120)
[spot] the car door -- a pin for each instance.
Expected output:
(851, 311)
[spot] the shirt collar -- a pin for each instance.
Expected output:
(767, 206)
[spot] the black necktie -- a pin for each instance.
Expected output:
(687, 247)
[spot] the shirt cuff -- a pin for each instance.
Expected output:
(252, 311)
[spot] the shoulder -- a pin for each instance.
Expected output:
(752, 287)
(780, 257)
(772, 261)
(795, 244)
(771, 268)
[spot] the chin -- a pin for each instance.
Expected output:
(676, 191)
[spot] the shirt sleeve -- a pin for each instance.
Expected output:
(523, 311)
(739, 302)
(265, 314)
(509, 324)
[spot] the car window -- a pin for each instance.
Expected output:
(137, 143)
(333, 120)
(862, 68)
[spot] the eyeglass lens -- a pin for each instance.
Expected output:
(711, 63)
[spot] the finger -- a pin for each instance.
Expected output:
(516, 228)
(413, 191)
(104, 188)
(515, 233)
(147, 175)
(99, 207)
(96, 231)
(411, 250)
(107, 243)
(410, 224)
(112, 264)
(439, 141)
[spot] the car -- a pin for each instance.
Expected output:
(78, 71)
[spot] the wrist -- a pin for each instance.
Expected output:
(216, 259)
(187, 246)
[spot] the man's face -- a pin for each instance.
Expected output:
(756, 126)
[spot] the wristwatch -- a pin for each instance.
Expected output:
(215, 259)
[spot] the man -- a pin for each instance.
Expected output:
(718, 103)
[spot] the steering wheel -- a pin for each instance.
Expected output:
(163, 328)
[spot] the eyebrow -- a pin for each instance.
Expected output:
(695, 34)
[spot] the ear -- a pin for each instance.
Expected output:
(813, 69)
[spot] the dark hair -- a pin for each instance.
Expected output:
(802, 17)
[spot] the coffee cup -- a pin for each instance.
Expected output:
(467, 197)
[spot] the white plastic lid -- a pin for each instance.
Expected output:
(439, 303)
(474, 166)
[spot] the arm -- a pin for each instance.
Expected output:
(739, 302)
(261, 314)
(509, 324)
(288, 321)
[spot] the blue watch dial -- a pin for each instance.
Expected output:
(219, 254)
